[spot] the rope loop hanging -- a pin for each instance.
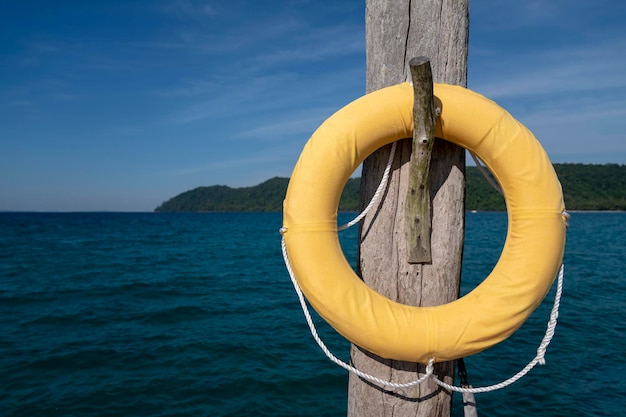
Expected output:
(538, 359)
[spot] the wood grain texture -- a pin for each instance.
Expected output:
(418, 212)
(396, 31)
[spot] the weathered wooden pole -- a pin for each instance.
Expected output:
(396, 31)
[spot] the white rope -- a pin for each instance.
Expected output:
(379, 190)
(541, 350)
(486, 174)
(539, 358)
(333, 358)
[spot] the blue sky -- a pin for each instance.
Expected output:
(120, 105)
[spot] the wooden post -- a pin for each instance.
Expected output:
(397, 30)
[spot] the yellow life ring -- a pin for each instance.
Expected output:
(523, 275)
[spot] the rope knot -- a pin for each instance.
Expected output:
(430, 366)
(566, 216)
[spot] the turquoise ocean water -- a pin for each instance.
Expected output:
(158, 314)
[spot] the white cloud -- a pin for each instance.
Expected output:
(253, 94)
(312, 44)
(303, 124)
(573, 69)
(18, 103)
(230, 163)
(189, 88)
(192, 9)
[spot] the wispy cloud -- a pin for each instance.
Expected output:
(504, 17)
(189, 88)
(190, 9)
(253, 93)
(302, 124)
(259, 159)
(318, 45)
(225, 36)
(269, 94)
(18, 103)
(573, 69)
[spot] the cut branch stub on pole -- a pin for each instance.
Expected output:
(418, 202)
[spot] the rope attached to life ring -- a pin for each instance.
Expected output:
(538, 359)
(541, 350)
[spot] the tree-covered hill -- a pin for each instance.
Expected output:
(585, 187)
(267, 196)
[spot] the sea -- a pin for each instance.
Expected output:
(194, 314)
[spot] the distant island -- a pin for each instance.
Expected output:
(585, 187)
